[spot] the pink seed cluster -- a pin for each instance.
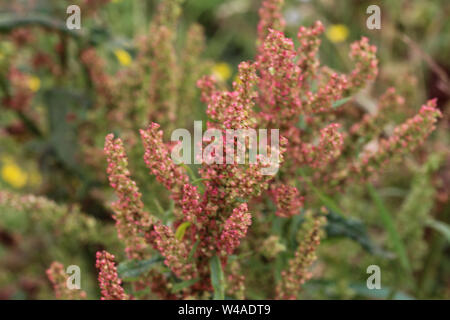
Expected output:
(110, 284)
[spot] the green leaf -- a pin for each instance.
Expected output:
(63, 133)
(10, 22)
(130, 270)
(193, 176)
(181, 230)
(217, 278)
(192, 252)
(340, 102)
(198, 180)
(388, 222)
(184, 284)
(440, 226)
(337, 226)
(327, 201)
(189, 171)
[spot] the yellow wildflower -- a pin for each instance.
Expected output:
(34, 83)
(222, 71)
(337, 33)
(12, 174)
(123, 57)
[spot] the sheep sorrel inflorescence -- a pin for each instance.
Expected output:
(227, 213)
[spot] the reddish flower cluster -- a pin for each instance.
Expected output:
(175, 251)
(109, 281)
(366, 64)
(235, 228)
(157, 158)
(191, 205)
(287, 199)
(307, 52)
(131, 219)
(218, 219)
(328, 148)
(270, 17)
(406, 138)
(298, 270)
(286, 89)
(371, 125)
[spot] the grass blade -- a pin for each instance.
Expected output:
(440, 226)
(388, 222)
(217, 278)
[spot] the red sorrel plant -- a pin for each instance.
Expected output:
(197, 249)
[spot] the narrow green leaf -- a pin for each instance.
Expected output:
(440, 226)
(10, 22)
(193, 176)
(189, 171)
(184, 284)
(181, 230)
(327, 201)
(198, 180)
(192, 252)
(130, 270)
(338, 226)
(388, 222)
(217, 278)
(340, 102)
(159, 206)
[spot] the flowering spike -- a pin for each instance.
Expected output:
(110, 284)
(234, 110)
(164, 77)
(322, 100)
(328, 149)
(288, 200)
(191, 205)
(208, 87)
(175, 251)
(297, 272)
(131, 219)
(270, 17)
(366, 65)
(157, 159)
(406, 138)
(309, 41)
(234, 229)
(278, 84)
(372, 125)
